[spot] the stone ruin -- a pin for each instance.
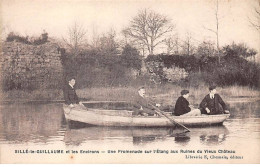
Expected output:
(26, 66)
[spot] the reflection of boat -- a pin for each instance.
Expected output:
(138, 135)
(213, 135)
(106, 117)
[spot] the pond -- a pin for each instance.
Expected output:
(35, 126)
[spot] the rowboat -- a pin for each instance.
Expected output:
(112, 117)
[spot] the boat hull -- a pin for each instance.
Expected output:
(101, 117)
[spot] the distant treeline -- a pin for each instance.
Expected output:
(95, 68)
(111, 65)
(232, 69)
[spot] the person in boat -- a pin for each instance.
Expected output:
(183, 107)
(70, 96)
(212, 104)
(141, 105)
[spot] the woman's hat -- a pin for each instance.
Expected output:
(184, 92)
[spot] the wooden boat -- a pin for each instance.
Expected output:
(105, 117)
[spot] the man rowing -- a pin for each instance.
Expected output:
(141, 105)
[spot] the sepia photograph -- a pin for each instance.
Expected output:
(130, 82)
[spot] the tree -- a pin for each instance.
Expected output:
(188, 48)
(131, 58)
(255, 22)
(173, 44)
(216, 30)
(206, 49)
(76, 38)
(108, 44)
(149, 28)
(239, 50)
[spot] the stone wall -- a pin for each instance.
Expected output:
(30, 67)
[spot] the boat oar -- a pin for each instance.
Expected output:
(161, 113)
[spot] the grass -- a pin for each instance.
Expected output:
(165, 95)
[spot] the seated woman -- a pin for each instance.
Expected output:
(182, 106)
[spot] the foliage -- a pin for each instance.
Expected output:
(206, 49)
(18, 38)
(131, 57)
(12, 37)
(189, 63)
(102, 67)
(232, 70)
(108, 44)
(240, 49)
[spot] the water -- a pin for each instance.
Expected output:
(43, 126)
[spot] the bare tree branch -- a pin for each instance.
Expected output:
(76, 37)
(216, 31)
(255, 22)
(148, 28)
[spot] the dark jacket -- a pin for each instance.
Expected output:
(70, 95)
(215, 105)
(139, 102)
(181, 106)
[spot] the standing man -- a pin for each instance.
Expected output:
(183, 107)
(213, 104)
(70, 95)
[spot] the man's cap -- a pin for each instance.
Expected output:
(141, 87)
(212, 87)
(184, 92)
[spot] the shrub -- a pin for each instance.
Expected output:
(131, 58)
(15, 37)
(232, 70)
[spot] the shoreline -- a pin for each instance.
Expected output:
(165, 95)
(231, 99)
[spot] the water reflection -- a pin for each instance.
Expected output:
(244, 110)
(182, 139)
(25, 122)
(214, 135)
(139, 136)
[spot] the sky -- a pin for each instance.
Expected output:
(31, 17)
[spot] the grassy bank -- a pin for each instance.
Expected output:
(166, 94)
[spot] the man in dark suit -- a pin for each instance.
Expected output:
(70, 96)
(183, 107)
(213, 104)
(142, 105)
